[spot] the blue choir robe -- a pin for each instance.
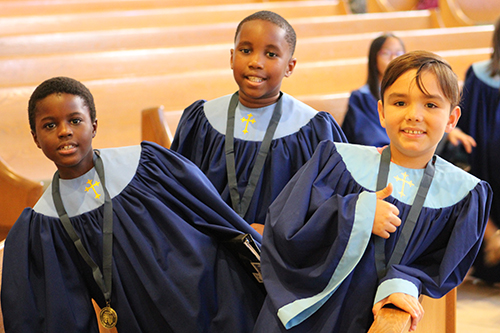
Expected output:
(481, 119)
(200, 136)
(170, 272)
(318, 260)
(361, 124)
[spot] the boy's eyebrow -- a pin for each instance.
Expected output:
(245, 42)
(76, 113)
(396, 95)
(401, 95)
(72, 114)
(435, 97)
(248, 43)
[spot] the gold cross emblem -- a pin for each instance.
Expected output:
(410, 183)
(248, 120)
(91, 186)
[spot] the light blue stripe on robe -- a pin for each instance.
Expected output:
(296, 312)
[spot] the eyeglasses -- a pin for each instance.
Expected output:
(389, 54)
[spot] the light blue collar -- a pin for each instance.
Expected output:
(251, 124)
(449, 185)
(482, 73)
(83, 194)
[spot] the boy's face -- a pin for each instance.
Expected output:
(415, 122)
(260, 59)
(64, 132)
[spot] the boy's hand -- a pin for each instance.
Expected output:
(406, 303)
(457, 136)
(386, 215)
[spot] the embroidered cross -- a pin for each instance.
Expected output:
(410, 183)
(248, 120)
(97, 195)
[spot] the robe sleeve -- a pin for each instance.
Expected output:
(316, 232)
(443, 263)
(42, 289)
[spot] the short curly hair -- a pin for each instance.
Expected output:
(56, 85)
(265, 15)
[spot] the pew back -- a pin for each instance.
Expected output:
(16, 194)
(203, 34)
(161, 17)
(176, 92)
(31, 70)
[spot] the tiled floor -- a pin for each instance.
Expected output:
(478, 307)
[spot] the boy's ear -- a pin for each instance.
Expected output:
(381, 114)
(453, 120)
(35, 138)
(231, 60)
(291, 65)
(94, 128)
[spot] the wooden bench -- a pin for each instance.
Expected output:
(378, 6)
(162, 17)
(451, 12)
(204, 34)
(48, 7)
(439, 317)
(480, 12)
(130, 95)
(31, 70)
(16, 194)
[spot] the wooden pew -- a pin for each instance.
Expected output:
(158, 126)
(203, 34)
(439, 317)
(378, 6)
(162, 17)
(452, 12)
(47, 7)
(129, 95)
(31, 70)
(16, 194)
(465, 12)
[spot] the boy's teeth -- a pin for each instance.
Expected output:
(414, 132)
(68, 147)
(255, 79)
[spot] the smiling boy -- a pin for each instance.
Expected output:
(127, 227)
(360, 227)
(226, 136)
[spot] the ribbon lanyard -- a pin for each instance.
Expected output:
(103, 281)
(411, 220)
(240, 205)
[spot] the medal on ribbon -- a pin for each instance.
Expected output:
(108, 317)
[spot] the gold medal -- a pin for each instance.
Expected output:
(108, 317)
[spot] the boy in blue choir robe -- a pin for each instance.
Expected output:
(168, 270)
(338, 242)
(361, 124)
(262, 56)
